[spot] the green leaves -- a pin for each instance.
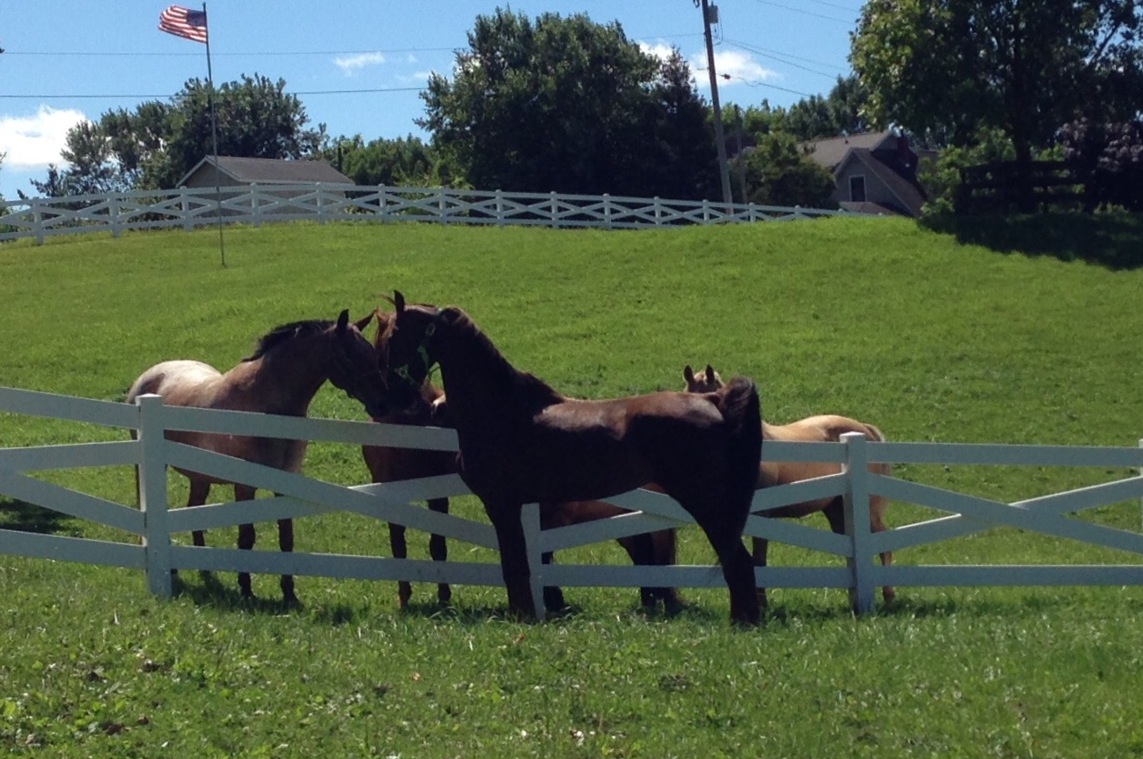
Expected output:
(569, 105)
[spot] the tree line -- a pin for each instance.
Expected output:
(570, 105)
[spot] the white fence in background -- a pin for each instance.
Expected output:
(300, 496)
(188, 208)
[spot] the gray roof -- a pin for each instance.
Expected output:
(272, 170)
(831, 152)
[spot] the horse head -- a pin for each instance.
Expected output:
(354, 366)
(707, 382)
(409, 351)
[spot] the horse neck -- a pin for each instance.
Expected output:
(478, 380)
(286, 379)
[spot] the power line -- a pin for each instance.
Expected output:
(808, 13)
(104, 54)
(87, 96)
(779, 57)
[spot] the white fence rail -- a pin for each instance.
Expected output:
(394, 502)
(188, 208)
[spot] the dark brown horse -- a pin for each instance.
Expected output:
(392, 464)
(523, 442)
(825, 428)
(289, 365)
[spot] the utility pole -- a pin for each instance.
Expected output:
(710, 13)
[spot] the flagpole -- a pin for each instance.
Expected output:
(214, 140)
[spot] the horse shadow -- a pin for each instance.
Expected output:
(22, 516)
(213, 592)
(1107, 240)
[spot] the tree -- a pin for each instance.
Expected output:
(256, 119)
(158, 143)
(569, 105)
(778, 173)
(1023, 66)
(405, 161)
(1109, 159)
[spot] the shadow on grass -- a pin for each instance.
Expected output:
(1113, 241)
(28, 517)
(213, 592)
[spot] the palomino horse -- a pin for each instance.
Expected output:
(289, 365)
(523, 442)
(815, 429)
(392, 464)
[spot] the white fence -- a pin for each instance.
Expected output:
(302, 497)
(191, 207)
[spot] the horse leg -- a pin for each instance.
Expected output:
(877, 524)
(286, 545)
(553, 594)
(246, 538)
(438, 550)
(737, 566)
(665, 546)
(761, 547)
(513, 560)
(553, 515)
(199, 490)
(836, 516)
(641, 549)
(399, 550)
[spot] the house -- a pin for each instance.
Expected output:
(876, 172)
(230, 171)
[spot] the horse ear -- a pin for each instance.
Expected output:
(709, 373)
(398, 301)
(343, 320)
(689, 374)
(361, 324)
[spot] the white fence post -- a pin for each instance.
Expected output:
(37, 221)
(499, 208)
(113, 215)
(184, 203)
(152, 479)
(658, 211)
(554, 209)
(607, 221)
(322, 214)
(856, 501)
(530, 520)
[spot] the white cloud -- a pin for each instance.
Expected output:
(351, 63)
(660, 50)
(32, 142)
(733, 67)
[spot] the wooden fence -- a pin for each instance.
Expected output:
(188, 208)
(157, 555)
(1000, 188)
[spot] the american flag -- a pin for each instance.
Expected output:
(183, 22)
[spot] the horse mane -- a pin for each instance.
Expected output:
(284, 333)
(525, 384)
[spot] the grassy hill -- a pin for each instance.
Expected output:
(1007, 332)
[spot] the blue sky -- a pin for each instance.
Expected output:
(358, 66)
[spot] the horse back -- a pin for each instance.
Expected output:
(196, 384)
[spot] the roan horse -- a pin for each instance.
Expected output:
(289, 365)
(815, 429)
(392, 464)
(523, 442)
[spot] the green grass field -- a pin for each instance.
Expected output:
(1003, 334)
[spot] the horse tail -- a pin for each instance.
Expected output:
(742, 409)
(874, 433)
